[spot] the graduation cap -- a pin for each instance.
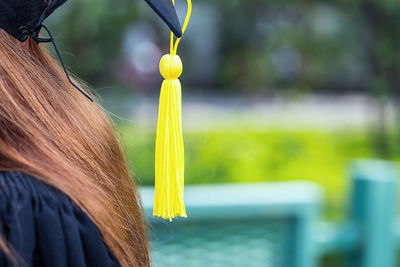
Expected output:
(166, 10)
(24, 18)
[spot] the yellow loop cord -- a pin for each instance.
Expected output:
(174, 48)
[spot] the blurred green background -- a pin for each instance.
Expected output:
(273, 90)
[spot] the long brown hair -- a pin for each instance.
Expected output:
(49, 130)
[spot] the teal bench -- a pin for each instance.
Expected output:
(277, 224)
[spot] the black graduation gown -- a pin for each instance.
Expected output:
(45, 228)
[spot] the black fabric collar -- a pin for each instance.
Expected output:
(23, 18)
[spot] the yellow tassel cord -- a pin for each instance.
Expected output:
(169, 168)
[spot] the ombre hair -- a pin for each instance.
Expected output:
(52, 132)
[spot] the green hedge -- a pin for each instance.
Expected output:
(253, 156)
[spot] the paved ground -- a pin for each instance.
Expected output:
(208, 113)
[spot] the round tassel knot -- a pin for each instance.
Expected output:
(171, 67)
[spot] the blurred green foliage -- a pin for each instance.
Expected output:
(253, 156)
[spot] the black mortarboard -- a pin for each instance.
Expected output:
(23, 18)
(166, 10)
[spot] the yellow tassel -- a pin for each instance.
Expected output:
(169, 180)
(168, 202)
(168, 198)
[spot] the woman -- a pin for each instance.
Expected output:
(66, 191)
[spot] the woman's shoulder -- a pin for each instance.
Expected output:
(45, 227)
(23, 193)
(14, 186)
